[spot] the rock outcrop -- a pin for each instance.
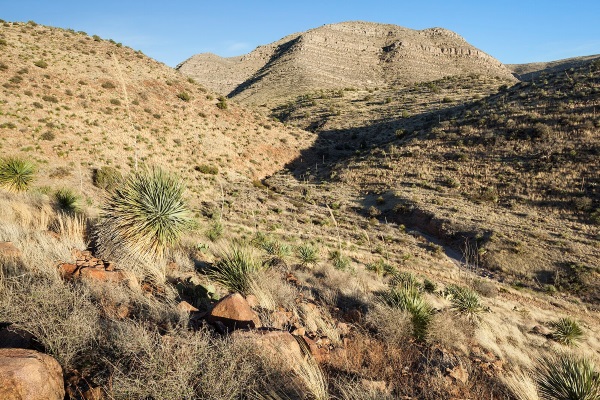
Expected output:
(349, 54)
(29, 375)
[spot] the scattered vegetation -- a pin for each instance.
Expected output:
(236, 268)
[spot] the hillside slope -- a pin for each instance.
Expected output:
(337, 56)
(62, 104)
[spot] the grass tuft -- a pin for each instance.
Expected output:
(67, 200)
(409, 299)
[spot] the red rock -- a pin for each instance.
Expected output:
(280, 344)
(9, 250)
(252, 301)
(299, 332)
(102, 275)
(374, 386)
(68, 271)
(185, 306)
(320, 354)
(234, 312)
(459, 373)
(30, 375)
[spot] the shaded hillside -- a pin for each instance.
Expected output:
(337, 56)
(527, 72)
(62, 105)
(515, 173)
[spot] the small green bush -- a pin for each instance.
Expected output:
(566, 377)
(41, 64)
(340, 261)
(215, 232)
(207, 169)
(108, 85)
(16, 174)
(115, 102)
(50, 99)
(48, 135)
(107, 178)
(184, 96)
(222, 104)
(566, 331)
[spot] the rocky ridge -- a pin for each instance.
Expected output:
(349, 54)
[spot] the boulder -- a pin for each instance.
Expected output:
(234, 312)
(187, 307)
(29, 375)
(280, 345)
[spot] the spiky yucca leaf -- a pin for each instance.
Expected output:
(566, 331)
(237, 266)
(16, 174)
(146, 213)
(409, 299)
(67, 200)
(566, 377)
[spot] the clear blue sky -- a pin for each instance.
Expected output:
(171, 31)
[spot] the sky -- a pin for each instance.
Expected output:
(514, 32)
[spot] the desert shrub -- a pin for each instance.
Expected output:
(16, 174)
(108, 85)
(207, 169)
(429, 286)
(146, 364)
(340, 261)
(144, 215)
(41, 64)
(50, 99)
(106, 178)
(566, 331)
(48, 135)
(115, 102)
(566, 377)
(67, 200)
(405, 280)
(215, 231)
(222, 104)
(184, 96)
(61, 317)
(3, 67)
(409, 299)
(236, 268)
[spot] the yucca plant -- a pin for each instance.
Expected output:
(566, 331)
(67, 200)
(405, 280)
(147, 213)
(16, 174)
(409, 299)
(566, 377)
(236, 268)
(465, 301)
(307, 254)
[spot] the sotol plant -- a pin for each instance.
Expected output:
(566, 377)
(16, 174)
(465, 301)
(147, 213)
(236, 268)
(566, 331)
